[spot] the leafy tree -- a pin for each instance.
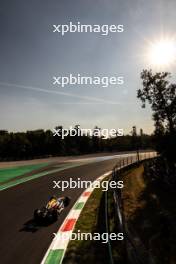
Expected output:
(161, 95)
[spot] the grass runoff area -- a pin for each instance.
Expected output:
(150, 213)
(9, 174)
(92, 220)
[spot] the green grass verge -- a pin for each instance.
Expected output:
(134, 186)
(87, 251)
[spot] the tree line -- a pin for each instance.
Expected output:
(41, 143)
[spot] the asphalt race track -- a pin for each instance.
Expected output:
(20, 240)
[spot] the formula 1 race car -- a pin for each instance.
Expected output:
(50, 212)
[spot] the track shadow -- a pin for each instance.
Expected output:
(32, 226)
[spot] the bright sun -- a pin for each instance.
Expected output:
(162, 53)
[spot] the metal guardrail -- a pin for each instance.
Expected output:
(135, 255)
(107, 229)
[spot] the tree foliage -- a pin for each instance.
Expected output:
(41, 143)
(161, 95)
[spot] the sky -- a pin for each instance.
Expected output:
(31, 54)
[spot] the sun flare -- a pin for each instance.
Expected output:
(162, 53)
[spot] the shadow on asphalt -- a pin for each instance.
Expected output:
(32, 226)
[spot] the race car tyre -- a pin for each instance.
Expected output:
(66, 201)
(54, 215)
(37, 215)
